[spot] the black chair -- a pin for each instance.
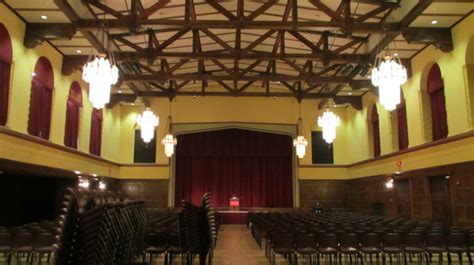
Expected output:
(44, 245)
(306, 246)
(6, 245)
(282, 243)
(22, 244)
(328, 247)
(457, 244)
(436, 244)
(414, 245)
(349, 247)
(391, 245)
(370, 245)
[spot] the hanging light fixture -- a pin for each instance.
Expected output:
(388, 74)
(329, 121)
(300, 141)
(169, 141)
(101, 73)
(148, 121)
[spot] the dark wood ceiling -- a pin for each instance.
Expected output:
(302, 49)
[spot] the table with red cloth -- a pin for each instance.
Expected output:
(233, 217)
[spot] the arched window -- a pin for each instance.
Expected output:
(437, 103)
(42, 85)
(402, 124)
(374, 119)
(6, 56)
(96, 132)
(74, 105)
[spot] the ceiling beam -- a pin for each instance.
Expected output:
(210, 77)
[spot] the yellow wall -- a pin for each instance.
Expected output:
(352, 144)
(24, 61)
(229, 109)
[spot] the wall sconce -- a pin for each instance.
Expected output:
(389, 184)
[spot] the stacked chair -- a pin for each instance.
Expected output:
(337, 237)
(198, 230)
(100, 228)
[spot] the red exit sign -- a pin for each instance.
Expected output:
(399, 163)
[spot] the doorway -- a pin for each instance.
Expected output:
(403, 198)
(440, 199)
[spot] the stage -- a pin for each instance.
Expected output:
(229, 216)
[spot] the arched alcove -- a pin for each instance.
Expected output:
(375, 128)
(399, 125)
(42, 86)
(6, 58)
(437, 101)
(96, 132)
(469, 79)
(73, 115)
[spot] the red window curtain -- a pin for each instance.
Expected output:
(375, 131)
(5, 72)
(5, 69)
(96, 132)
(41, 98)
(255, 166)
(402, 125)
(437, 103)
(74, 104)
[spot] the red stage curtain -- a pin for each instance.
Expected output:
(255, 166)
(5, 72)
(41, 98)
(402, 125)
(74, 104)
(437, 103)
(375, 131)
(96, 132)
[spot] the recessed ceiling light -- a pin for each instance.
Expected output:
(44, 17)
(120, 91)
(78, 51)
(350, 93)
(133, 104)
(77, 172)
(434, 22)
(395, 54)
(94, 175)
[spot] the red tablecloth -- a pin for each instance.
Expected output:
(234, 217)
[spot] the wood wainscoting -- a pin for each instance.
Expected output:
(154, 192)
(439, 194)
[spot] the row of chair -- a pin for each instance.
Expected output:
(333, 235)
(32, 241)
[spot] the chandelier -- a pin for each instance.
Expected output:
(329, 121)
(101, 73)
(169, 141)
(300, 142)
(148, 121)
(388, 75)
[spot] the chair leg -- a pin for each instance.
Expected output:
(449, 257)
(469, 257)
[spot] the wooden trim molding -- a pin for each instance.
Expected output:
(143, 165)
(446, 140)
(322, 166)
(47, 143)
